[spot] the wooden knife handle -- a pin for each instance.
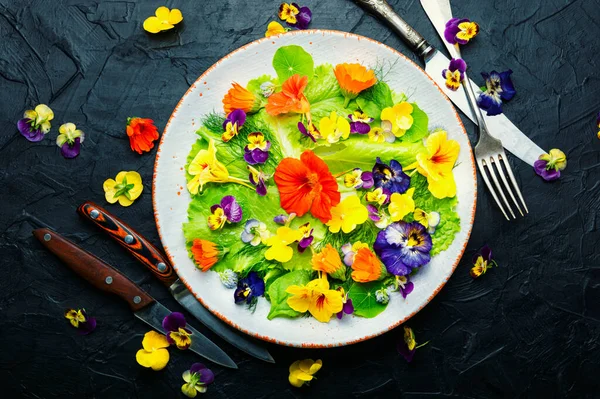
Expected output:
(93, 269)
(137, 245)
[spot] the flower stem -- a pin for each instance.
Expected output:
(239, 181)
(342, 173)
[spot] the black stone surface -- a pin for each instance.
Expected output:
(528, 328)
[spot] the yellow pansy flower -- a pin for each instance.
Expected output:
(125, 188)
(279, 249)
(206, 168)
(153, 355)
(377, 196)
(302, 371)
(334, 127)
(164, 19)
(316, 298)
(428, 219)
(400, 116)
(401, 204)
(40, 116)
(288, 12)
(347, 215)
(274, 28)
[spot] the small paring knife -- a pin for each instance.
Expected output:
(106, 278)
(153, 259)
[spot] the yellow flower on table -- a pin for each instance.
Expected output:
(125, 188)
(316, 298)
(40, 116)
(437, 163)
(401, 204)
(164, 19)
(206, 168)
(347, 215)
(334, 127)
(153, 355)
(279, 244)
(302, 371)
(400, 116)
(274, 28)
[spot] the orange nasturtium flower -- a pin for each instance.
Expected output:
(366, 266)
(164, 19)
(142, 134)
(316, 298)
(354, 78)
(291, 98)
(306, 184)
(238, 97)
(207, 253)
(329, 261)
(154, 353)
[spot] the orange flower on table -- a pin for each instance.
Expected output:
(238, 97)
(142, 134)
(206, 253)
(366, 266)
(306, 184)
(329, 261)
(291, 98)
(354, 78)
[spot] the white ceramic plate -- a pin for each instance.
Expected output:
(171, 198)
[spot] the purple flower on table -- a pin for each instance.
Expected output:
(249, 288)
(391, 177)
(598, 123)
(307, 237)
(227, 211)
(232, 124)
(356, 179)
(360, 122)
(257, 149)
(69, 140)
(348, 307)
(403, 246)
(176, 331)
(36, 123)
(258, 178)
(80, 320)
(407, 346)
(294, 15)
(482, 261)
(460, 31)
(499, 88)
(549, 165)
(455, 73)
(311, 132)
(196, 379)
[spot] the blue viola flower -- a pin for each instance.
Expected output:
(249, 288)
(390, 177)
(499, 88)
(403, 246)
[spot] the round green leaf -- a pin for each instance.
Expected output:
(291, 60)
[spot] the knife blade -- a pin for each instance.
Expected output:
(110, 280)
(153, 259)
(513, 139)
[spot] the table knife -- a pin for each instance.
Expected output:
(110, 280)
(499, 126)
(153, 259)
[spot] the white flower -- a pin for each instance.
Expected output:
(229, 278)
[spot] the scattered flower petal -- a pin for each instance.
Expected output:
(294, 15)
(153, 355)
(274, 28)
(164, 19)
(258, 179)
(333, 128)
(348, 307)
(312, 132)
(499, 88)
(482, 261)
(278, 244)
(302, 371)
(240, 98)
(454, 75)
(401, 204)
(549, 166)
(408, 345)
(196, 379)
(80, 320)
(177, 334)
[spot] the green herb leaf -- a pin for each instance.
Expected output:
(291, 60)
(364, 300)
(278, 296)
(420, 126)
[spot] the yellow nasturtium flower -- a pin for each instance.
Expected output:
(302, 371)
(400, 116)
(125, 188)
(279, 244)
(347, 215)
(274, 28)
(401, 204)
(206, 168)
(154, 353)
(164, 19)
(316, 298)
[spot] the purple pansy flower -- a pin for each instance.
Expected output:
(254, 232)
(249, 288)
(36, 122)
(177, 333)
(257, 151)
(206, 375)
(403, 246)
(196, 379)
(303, 17)
(360, 123)
(307, 237)
(356, 179)
(233, 123)
(549, 165)
(69, 140)
(453, 79)
(281, 219)
(460, 31)
(379, 216)
(405, 286)
(499, 88)
(312, 132)
(80, 320)
(231, 210)
(348, 307)
(258, 179)
(407, 346)
(27, 128)
(390, 177)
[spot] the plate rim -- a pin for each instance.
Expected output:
(268, 338)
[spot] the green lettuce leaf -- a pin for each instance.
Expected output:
(373, 100)
(364, 300)
(291, 60)
(278, 296)
(323, 85)
(420, 126)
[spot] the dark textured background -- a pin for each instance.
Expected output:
(527, 328)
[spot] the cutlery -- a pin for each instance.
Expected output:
(489, 152)
(108, 279)
(153, 259)
(499, 126)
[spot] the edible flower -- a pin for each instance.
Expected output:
(379, 216)
(329, 261)
(353, 78)
(408, 345)
(142, 134)
(249, 288)
(258, 179)
(403, 246)
(257, 149)
(232, 124)
(125, 188)
(454, 75)
(382, 134)
(401, 204)
(164, 19)
(306, 184)
(460, 31)
(349, 251)
(499, 88)
(274, 28)
(316, 298)
(348, 307)
(80, 320)
(404, 285)
(279, 244)
(366, 267)
(356, 179)
(302, 371)
(334, 127)
(283, 219)
(548, 166)
(430, 220)
(255, 232)
(154, 353)
(207, 253)
(238, 97)
(400, 116)
(267, 88)
(598, 124)
(360, 122)
(294, 15)
(382, 296)
(177, 334)
(379, 196)
(307, 237)
(229, 278)
(227, 211)
(196, 379)
(291, 98)
(69, 140)
(482, 261)
(347, 215)
(311, 132)
(390, 178)
(36, 123)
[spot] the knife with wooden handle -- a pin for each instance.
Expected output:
(110, 280)
(157, 263)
